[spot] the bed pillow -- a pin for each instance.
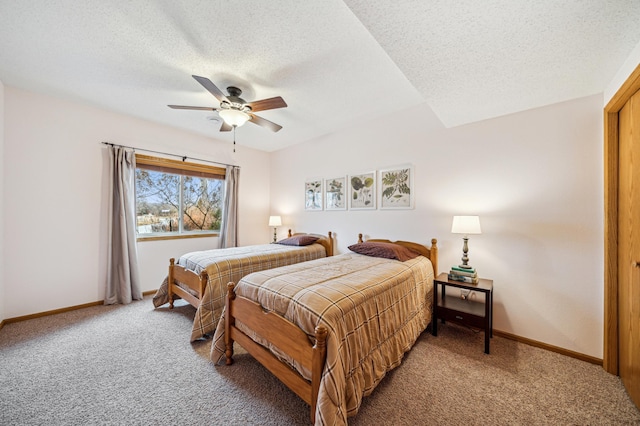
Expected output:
(385, 250)
(299, 240)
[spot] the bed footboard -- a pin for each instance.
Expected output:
(283, 334)
(196, 283)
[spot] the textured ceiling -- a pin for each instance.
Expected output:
(482, 59)
(333, 62)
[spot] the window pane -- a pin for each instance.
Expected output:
(202, 204)
(157, 201)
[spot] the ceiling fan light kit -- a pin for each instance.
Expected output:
(234, 117)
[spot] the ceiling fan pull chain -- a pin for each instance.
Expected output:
(234, 138)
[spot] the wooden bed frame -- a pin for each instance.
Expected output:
(197, 283)
(288, 337)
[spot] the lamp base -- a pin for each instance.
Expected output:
(465, 258)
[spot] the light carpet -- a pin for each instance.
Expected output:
(134, 365)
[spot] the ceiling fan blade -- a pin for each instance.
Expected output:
(265, 104)
(192, 107)
(207, 84)
(264, 123)
(225, 127)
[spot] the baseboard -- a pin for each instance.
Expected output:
(52, 312)
(61, 310)
(557, 349)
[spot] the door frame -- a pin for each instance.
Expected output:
(611, 158)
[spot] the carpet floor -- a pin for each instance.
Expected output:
(134, 365)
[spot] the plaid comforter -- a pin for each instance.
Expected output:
(230, 265)
(373, 308)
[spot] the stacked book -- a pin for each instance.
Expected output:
(467, 275)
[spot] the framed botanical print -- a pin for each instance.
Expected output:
(313, 194)
(335, 193)
(396, 188)
(362, 191)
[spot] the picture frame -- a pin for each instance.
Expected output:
(313, 194)
(362, 191)
(396, 188)
(335, 193)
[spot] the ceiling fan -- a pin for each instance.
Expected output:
(234, 110)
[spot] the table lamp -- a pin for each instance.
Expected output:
(275, 221)
(466, 225)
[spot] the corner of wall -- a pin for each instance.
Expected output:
(629, 65)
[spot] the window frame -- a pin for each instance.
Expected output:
(183, 168)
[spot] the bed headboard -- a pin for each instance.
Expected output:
(430, 253)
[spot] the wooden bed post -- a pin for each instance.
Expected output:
(319, 357)
(172, 262)
(434, 256)
(229, 322)
(204, 278)
(330, 251)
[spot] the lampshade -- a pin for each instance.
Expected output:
(234, 117)
(466, 225)
(275, 221)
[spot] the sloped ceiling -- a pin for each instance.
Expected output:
(334, 62)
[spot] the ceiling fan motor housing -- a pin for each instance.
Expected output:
(234, 101)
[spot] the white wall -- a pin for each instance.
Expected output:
(535, 179)
(2, 297)
(55, 198)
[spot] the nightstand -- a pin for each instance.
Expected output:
(470, 311)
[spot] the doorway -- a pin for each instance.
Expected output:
(615, 360)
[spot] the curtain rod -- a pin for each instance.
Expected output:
(183, 157)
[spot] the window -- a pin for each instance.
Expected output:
(176, 199)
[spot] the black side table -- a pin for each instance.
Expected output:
(469, 312)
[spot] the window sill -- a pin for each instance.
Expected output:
(175, 237)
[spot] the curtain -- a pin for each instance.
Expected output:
(123, 282)
(229, 228)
